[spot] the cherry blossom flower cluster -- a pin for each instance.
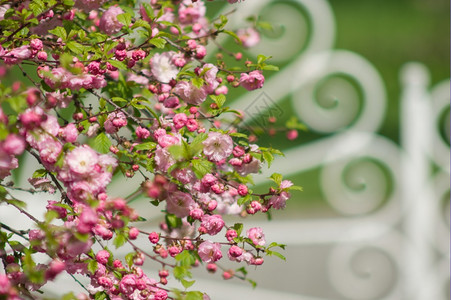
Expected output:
(128, 88)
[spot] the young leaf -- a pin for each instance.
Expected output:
(125, 19)
(145, 146)
(92, 266)
(201, 167)
(102, 143)
(194, 295)
(158, 42)
(59, 32)
(39, 173)
(119, 240)
(187, 283)
(276, 177)
(219, 100)
(75, 47)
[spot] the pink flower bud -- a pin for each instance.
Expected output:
(192, 125)
(212, 205)
(235, 251)
(292, 134)
(227, 274)
(154, 237)
(231, 234)
(196, 214)
(180, 120)
(42, 55)
(14, 144)
(102, 257)
(212, 268)
(133, 233)
(242, 190)
(138, 54)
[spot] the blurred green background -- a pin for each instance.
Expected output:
(388, 34)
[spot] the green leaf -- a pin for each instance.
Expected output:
(119, 240)
(275, 253)
(59, 32)
(219, 100)
(84, 237)
(75, 47)
(238, 227)
(125, 19)
(173, 221)
(293, 123)
(129, 258)
(262, 58)
(268, 157)
(186, 258)
(201, 167)
(238, 135)
(145, 146)
(234, 35)
(194, 295)
(187, 283)
(264, 25)
(102, 143)
(254, 284)
(108, 46)
(276, 177)
(148, 9)
(158, 42)
(270, 68)
(244, 199)
(37, 7)
(39, 173)
(179, 151)
(68, 3)
(118, 64)
(197, 82)
(66, 60)
(141, 23)
(274, 244)
(196, 145)
(3, 193)
(118, 99)
(242, 270)
(69, 296)
(296, 188)
(181, 272)
(16, 246)
(92, 266)
(101, 296)
(50, 216)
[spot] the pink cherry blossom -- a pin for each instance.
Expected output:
(256, 235)
(189, 93)
(69, 133)
(253, 80)
(14, 144)
(279, 201)
(179, 204)
(248, 36)
(82, 160)
(162, 67)
(212, 223)
(190, 12)
(209, 252)
(209, 72)
(109, 23)
(218, 146)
